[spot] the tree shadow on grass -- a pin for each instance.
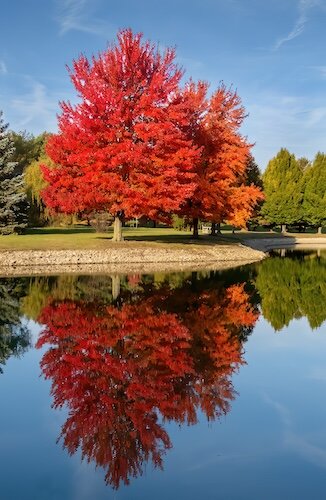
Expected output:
(60, 231)
(171, 238)
(181, 239)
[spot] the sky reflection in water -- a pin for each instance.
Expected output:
(241, 354)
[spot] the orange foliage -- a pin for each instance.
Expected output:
(214, 124)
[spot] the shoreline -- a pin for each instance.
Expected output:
(267, 244)
(127, 260)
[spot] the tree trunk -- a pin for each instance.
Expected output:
(117, 227)
(115, 286)
(213, 230)
(154, 223)
(283, 228)
(195, 228)
(218, 227)
(320, 228)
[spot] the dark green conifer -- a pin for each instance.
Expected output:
(253, 173)
(254, 177)
(13, 202)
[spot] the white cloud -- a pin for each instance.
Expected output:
(304, 7)
(74, 15)
(35, 108)
(3, 68)
(300, 444)
(321, 70)
(315, 116)
(297, 123)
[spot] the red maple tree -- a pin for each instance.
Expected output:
(123, 148)
(214, 126)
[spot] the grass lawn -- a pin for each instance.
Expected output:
(76, 238)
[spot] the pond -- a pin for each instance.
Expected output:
(186, 385)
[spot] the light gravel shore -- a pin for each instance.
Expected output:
(129, 259)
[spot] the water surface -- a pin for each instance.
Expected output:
(187, 385)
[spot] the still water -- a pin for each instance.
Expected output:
(208, 385)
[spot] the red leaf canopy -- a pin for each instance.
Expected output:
(123, 148)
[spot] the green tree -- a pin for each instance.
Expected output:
(291, 288)
(34, 185)
(14, 336)
(314, 199)
(28, 148)
(13, 202)
(254, 177)
(29, 152)
(304, 164)
(253, 173)
(282, 189)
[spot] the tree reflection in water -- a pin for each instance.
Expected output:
(14, 334)
(159, 352)
(293, 287)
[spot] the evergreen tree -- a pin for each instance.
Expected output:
(282, 188)
(253, 173)
(314, 200)
(253, 177)
(13, 204)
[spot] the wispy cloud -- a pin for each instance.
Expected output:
(74, 15)
(321, 70)
(276, 120)
(304, 7)
(300, 444)
(35, 108)
(3, 68)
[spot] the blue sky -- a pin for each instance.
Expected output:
(272, 51)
